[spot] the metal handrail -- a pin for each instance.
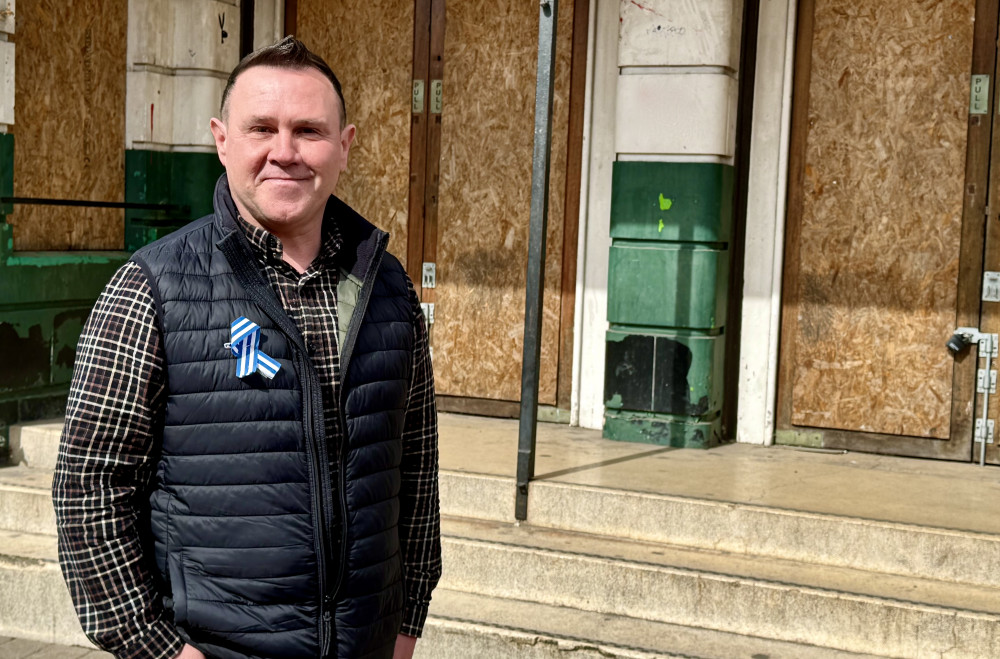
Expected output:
(84, 203)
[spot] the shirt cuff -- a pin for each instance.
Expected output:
(161, 641)
(414, 616)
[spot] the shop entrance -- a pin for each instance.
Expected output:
(443, 96)
(888, 205)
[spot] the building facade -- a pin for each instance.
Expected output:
(765, 217)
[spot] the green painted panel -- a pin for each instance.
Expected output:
(6, 171)
(164, 177)
(51, 279)
(671, 201)
(664, 430)
(686, 372)
(667, 285)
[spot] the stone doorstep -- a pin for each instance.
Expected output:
(839, 608)
(740, 529)
(19, 648)
(459, 625)
(462, 625)
(26, 501)
(36, 444)
(774, 599)
(34, 602)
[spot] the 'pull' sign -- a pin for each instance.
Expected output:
(245, 346)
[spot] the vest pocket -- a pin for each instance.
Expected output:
(178, 586)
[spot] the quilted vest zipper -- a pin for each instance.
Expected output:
(364, 296)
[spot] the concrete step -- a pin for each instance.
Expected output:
(839, 608)
(462, 625)
(739, 528)
(36, 444)
(34, 601)
(26, 500)
(742, 529)
(19, 648)
(35, 606)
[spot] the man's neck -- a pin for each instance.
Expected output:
(299, 252)
(300, 244)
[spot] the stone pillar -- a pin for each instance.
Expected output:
(6, 115)
(671, 220)
(180, 53)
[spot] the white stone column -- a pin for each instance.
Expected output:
(180, 53)
(661, 86)
(268, 22)
(7, 10)
(678, 62)
(765, 222)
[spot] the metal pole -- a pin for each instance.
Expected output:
(536, 254)
(985, 346)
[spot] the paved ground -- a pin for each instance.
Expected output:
(16, 648)
(952, 495)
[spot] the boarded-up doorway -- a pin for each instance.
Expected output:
(884, 240)
(443, 94)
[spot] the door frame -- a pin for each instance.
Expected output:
(424, 173)
(959, 444)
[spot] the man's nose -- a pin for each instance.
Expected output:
(283, 150)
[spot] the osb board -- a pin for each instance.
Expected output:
(881, 216)
(485, 196)
(369, 46)
(70, 122)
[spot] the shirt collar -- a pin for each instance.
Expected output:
(268, 250)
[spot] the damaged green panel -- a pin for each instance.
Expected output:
(672, 372)
(663, 430)
(25, 349)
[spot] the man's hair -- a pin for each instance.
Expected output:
(289, 53)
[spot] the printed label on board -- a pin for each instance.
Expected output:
(418, 97)
(437, 93)
(991, 286)
(979, 99)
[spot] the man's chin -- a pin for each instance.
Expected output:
(286, 213)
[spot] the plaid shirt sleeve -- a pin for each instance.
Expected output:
(420, 518)
(105, 465)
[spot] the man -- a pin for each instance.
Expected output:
(249, 462)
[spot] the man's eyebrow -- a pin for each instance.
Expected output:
(266, 119)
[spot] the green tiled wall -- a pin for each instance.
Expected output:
(159, 177)
(45, 297)
(668, 277)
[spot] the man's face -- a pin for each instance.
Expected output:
(282, 146)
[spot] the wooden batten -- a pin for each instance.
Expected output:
(876, 217)
(371, 56)
(574, 166)
(484, 201)
(70, 90)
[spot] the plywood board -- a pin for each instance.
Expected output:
(70, 122)
(881, 216)
(485, 194)
(369, 46)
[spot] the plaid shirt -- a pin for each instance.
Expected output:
(108, 451)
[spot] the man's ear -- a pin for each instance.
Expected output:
(219, 133)
(346, 140)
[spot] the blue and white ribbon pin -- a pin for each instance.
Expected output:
(245, 345)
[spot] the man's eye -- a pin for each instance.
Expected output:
(260, 129)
